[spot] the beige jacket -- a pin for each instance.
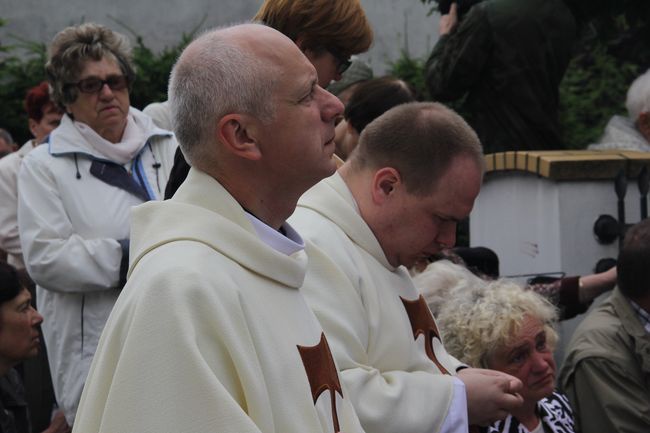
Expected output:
(606, 373)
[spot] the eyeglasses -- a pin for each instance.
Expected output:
(343, 62)
(94, 84)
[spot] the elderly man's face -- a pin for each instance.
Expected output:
(299, 143)
(19, 337)
(411, 227)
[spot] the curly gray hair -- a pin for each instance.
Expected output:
(213, 76)
(75, 45)
(476, 322)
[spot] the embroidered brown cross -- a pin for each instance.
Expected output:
(322, 373)
(422, 323)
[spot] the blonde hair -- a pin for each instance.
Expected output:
(441, 278)
(477, 322)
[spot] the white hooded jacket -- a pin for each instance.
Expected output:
(70, 223)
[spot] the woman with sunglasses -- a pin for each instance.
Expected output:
(76, 192)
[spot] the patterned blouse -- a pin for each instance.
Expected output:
(554, 411)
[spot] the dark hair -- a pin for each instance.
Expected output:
(10, 285)
(374, 97)
(633, 272)
(463, 6)
(37, 100)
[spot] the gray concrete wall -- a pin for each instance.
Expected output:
(398, 24)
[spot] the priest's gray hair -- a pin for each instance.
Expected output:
(213, 77)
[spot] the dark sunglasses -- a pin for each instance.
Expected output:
(94, 84)
(343, 62)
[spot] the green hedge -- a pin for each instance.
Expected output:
(17, 75)
(593, 89)
(22, 67)
(612, 52)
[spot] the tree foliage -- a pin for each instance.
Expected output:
(22, 66)
(153, 68)
(17, 75)
(411, 70)
(611, 51)
(595, 85)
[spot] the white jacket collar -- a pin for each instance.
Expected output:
(66, 138)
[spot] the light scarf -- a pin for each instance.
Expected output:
(123, 152)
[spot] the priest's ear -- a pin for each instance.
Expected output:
(386, 182)
(239, 135)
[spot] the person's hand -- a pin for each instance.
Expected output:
(491, 395)
(58, 424)
(448, 22)
(592, 286)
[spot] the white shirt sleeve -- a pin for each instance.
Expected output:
(456, 420)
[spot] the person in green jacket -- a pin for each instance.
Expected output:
(507, 57)
(606, 373)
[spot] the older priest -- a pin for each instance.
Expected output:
(211, 333)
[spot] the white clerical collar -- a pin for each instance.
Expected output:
(288, 245)
(343, 187)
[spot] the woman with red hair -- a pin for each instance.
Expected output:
(43, 116)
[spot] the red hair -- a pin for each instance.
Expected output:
(37, 101)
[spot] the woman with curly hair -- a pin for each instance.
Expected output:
(501, 326)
